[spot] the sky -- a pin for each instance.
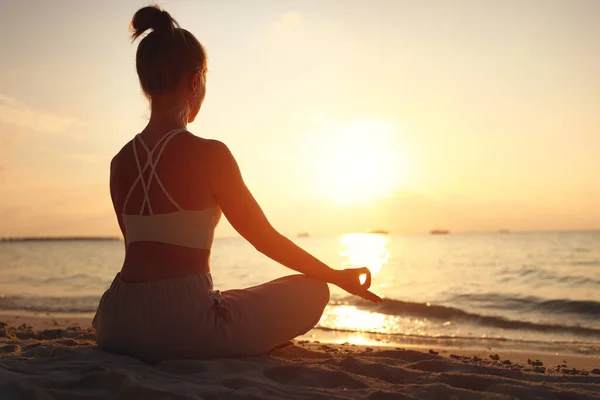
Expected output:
(343, 115)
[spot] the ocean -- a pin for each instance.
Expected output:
(519, 290)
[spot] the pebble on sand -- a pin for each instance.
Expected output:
(572, 371)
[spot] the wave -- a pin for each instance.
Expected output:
(536, 274)
(587, 308)
(577, 343)
(79, 304)
(71, 279)
(426, 310)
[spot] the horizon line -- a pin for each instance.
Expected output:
(120, 238)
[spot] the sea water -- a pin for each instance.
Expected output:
(534, 289)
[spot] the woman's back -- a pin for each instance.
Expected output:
(174, 170)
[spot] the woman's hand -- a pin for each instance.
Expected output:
(349, 280)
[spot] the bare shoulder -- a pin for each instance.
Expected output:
(211, 144)
(215, 150)
(116, 160)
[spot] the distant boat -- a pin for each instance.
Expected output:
(379, 231)
(439, 232)
(303, 235)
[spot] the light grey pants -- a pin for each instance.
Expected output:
(185, 318)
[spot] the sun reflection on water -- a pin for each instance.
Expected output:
(364, 250)
(371, 251)
(344, 317)
(348, 317)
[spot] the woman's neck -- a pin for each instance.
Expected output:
(166, 114)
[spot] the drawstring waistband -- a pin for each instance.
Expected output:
(220, 305)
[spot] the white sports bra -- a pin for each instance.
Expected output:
(187, 228)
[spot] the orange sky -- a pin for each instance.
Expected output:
(344, 115)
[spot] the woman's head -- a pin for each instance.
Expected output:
(170, 61)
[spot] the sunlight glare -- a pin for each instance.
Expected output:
(345, 317)
(359, 340)
(362, 161)
(350, 317)
(364, 250)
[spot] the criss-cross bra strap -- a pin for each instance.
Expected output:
(141, 175)
(154, 175)
(151, 162)
(135, 182)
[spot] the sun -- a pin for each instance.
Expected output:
(361, 161)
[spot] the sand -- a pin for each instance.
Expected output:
(46, 358)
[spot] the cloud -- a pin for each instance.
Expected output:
(16, 113)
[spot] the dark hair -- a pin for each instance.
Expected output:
(167, 53)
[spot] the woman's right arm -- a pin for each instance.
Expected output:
(245, 215)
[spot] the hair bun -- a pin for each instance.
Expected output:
(152, 17)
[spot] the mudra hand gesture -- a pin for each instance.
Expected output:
(349, 280)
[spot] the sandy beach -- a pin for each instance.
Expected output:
(57, 358)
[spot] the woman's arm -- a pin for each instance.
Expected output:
(245, 215)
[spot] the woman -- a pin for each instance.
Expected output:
(168, 188)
